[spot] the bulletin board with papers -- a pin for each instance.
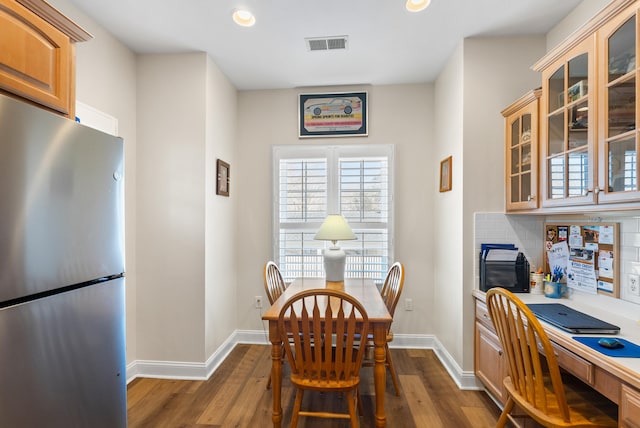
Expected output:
(584, 255)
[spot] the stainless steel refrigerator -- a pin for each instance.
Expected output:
(62, 331)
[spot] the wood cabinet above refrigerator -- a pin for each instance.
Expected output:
(37, 54)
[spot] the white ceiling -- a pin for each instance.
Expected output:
(387, 44)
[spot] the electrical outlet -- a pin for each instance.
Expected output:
(634, 284)
(258, 302)
(408, 304)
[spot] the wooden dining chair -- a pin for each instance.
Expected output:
(324, 356)
(535, 383)
(391, 290)
(274, 286)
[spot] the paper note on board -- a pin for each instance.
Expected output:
(558, 257)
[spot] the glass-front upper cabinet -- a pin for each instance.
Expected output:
(521, 151)
(567, 128)
(618, 133)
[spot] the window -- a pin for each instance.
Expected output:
(313, 181)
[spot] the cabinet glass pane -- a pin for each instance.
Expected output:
(556, 90)
(515, 187)
(556, 134)
(622, 107)
(622, 158)
(578, 125)
(526, 157)
(555, 177)
(578, 73)
(526, 127)
(515, 132)
(622, 50)
(515, 160)
(578, 173)
(526, 186)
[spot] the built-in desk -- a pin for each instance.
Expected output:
(616, 378)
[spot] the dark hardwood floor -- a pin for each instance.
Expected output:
(236, 396)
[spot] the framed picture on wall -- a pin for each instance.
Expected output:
(445, 175)
(222, 184)
(332, 115)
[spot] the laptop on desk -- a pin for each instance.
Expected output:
(571, 320)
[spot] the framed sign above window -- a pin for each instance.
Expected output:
(332, 115)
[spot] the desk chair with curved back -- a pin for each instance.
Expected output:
(318, 360)
(391, 290)
(534, 385)
(274, 286)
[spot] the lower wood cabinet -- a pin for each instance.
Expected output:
(629, 408)
(490, 366)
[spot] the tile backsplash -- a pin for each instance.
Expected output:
(526, 233)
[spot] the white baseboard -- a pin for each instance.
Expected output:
(182, 369)
(202, 371)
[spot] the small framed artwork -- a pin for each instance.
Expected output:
(445, 175)
(332, 115)
(222, 184)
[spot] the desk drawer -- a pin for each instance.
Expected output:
(482, 315)
(577, 366)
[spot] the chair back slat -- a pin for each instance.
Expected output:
(274, 284)
(320, 330)
(392, 288)
(531, 359)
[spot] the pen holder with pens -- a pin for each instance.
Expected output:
(555, 290)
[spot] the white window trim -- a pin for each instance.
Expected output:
(326, 151)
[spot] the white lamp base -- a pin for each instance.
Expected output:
(334, 262)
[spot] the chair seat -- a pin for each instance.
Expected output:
(587, 408)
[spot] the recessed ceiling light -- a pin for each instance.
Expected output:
(243, 18)
(417, 5)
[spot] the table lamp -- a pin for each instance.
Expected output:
(335, 228)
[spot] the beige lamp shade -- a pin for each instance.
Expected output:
(335, 228)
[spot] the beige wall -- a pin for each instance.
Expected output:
(220, 216)
(448, 209)
(580, 15)
(171, 240)
(186, 119)
(400, 115)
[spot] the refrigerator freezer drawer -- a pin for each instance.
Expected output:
(63, 360)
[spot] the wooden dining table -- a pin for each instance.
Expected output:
(366, 292)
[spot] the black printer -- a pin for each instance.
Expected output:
(503, 266)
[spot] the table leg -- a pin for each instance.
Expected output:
(276, 373)
(380, 372)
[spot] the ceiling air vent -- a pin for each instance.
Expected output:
(326, 43)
